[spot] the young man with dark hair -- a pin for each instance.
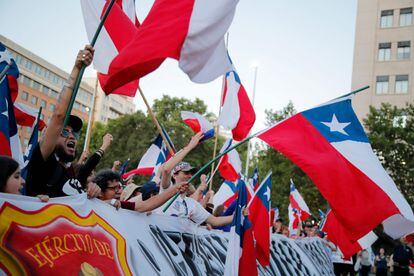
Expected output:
(50, 171)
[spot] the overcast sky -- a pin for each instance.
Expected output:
(304, 49)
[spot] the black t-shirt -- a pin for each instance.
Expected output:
(50, 177)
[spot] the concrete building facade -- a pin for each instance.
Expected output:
(382, 56)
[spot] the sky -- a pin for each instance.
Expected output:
(303, 49)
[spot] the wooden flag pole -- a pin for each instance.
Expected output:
(217, 125)
(154, 119)
(82, 70)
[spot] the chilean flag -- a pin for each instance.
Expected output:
(329, 144)
(119, 29)
(338, 234)
(198, 123)
(237, 113)
(156, 155)
(240, 257)
(230, 164)
(190, 31)
(26, 116)
(260, 217)
(226, 194)
(298, 210)
(9, 138)
(254, 179)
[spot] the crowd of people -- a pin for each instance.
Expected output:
(52, 172)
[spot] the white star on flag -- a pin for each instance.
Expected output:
(267, 193)
(335, 125)
(5, 56)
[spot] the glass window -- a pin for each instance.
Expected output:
(45, 90)
(382, 85)
(18, 59)
(25, 96)
(36, 85)
(76, 105)
(43, 103)
(384, 51)
(406, 17)
(401, 84)
(54, 94)
(52, 107)
(34, 100)
(29, 64)
(403, 51)
(387, 17)
(27, 81)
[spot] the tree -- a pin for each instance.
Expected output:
(283, 170)
(391, 133)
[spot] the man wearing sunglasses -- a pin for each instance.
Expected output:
(50, 170)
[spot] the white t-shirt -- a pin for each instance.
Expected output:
(186, 207)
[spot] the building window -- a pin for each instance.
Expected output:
(36, 85)
(54, 94)
(52, 107)
(406, 17)
(29, 64)
(403, 51)
(25, 96)
(401, 84)
(382, 85)
(387, 18)
(27, 81)
(384, 51)
(43, 103)
(34, 100)
(45, 90)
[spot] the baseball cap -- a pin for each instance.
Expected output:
(185, 167)
(129, 190)
(149, 188)
(75, 122)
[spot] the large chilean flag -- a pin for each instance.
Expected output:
(190, 31)
(118, 30)
(329, 144)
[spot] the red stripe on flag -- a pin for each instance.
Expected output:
(247, 116)
(355, 199)
(194, 124)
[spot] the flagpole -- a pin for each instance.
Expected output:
(157, 124)
(91, 114)
(201, 170)
(82, 70)
(217, 125)
(246, 170)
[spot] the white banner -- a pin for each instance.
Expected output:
(77, 236)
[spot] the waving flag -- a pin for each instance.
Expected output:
(226, 194)
(33, 141)
(254, 179)
(338, 234)
(274, 215)
(230, 164)
(190, 31)
(260, 217)
(9, 138)
(237, 112)
(124, 166)
(198, 123)
(118, 30)
(153, 158)
(240, 257)
(322, 215)
(329, 144)
(26, 116)
(298, 210)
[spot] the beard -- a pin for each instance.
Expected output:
(63, 156)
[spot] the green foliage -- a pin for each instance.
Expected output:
(133, 134)
(391, 132)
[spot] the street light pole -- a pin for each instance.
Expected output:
(246, 172)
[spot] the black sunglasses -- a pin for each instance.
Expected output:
(66, 132)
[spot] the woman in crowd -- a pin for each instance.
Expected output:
(11, 180)
(381, 263)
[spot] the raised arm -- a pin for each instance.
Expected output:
(177, 158)
(48, 143)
